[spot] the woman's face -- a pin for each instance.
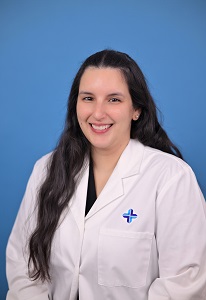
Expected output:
(104, 108)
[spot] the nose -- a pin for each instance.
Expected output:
(99, 110)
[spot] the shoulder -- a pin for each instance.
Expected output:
(158, 163)
(167, 169)
(152, 155)
(40, 168)
(168, 175)
(163, 159)
(165, 162)
(44, 161)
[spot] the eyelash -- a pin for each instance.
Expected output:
(88, 98)
(112, 100)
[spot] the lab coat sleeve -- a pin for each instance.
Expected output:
(181, 240)
(20, 286)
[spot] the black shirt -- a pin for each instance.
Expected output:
(91, 193)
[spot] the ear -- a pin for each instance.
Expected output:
(136, 114)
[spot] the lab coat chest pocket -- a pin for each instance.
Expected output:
(123, 258)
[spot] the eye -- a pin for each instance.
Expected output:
(88, 99)
(114, 100)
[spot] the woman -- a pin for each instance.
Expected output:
(114, 212)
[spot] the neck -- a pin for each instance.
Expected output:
(105, 160)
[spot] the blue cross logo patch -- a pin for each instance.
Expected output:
(130, 216)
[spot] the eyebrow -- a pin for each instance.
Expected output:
(85, 93)
(110, 95)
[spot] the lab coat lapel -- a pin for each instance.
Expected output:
(112, 190)
(78, 201)
(128, 165)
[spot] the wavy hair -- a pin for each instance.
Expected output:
(68, 158)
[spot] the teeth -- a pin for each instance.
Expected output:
(101, 127)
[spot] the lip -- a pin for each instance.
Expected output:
(100, 128)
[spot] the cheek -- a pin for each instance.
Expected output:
(123, 115)
(82, 112)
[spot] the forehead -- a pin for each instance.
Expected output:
(103, 76)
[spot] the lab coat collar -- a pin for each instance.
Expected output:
(128, 165)
(130, 161)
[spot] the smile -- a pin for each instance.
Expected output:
(100, 127)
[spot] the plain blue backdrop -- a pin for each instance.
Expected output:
(42, 44)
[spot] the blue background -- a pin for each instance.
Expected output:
(42, 44)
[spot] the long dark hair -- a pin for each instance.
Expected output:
(68, 158)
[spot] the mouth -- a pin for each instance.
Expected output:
(100, 128)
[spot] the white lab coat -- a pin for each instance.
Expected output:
(159, 255)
